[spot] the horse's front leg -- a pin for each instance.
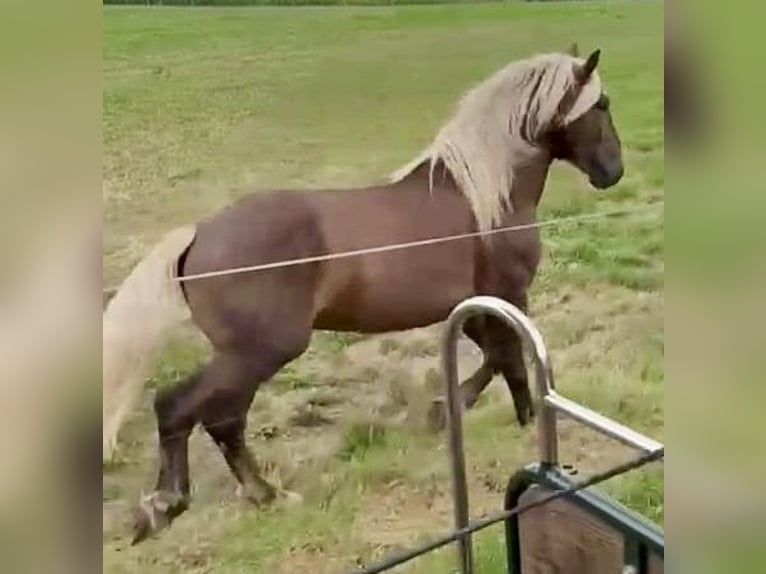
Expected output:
(504, 351)
(505, 355)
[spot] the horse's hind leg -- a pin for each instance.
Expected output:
(174, 425)
(224, 417)
(229, 435)
(219, 398)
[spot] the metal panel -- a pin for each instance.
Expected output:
(584, 532)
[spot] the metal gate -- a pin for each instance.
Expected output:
(552, 523)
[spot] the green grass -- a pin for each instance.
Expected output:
(361, 438)
(201, 104)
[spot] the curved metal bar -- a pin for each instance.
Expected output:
(602, 424)
(531, 337)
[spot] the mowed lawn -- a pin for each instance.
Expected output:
(203, 104)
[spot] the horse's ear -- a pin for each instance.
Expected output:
(574, 50)
(584, 72)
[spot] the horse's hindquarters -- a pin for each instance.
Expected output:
(241, 310)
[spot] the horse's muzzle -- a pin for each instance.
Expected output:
(602, 178)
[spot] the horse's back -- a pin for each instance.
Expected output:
(259, 226)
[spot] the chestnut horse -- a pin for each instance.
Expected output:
(485, 169)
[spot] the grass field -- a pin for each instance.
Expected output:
(201, 104)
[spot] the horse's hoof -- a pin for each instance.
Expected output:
(155, 513)
(143, 526)
(437, 416)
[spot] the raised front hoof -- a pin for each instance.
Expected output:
(156, 513)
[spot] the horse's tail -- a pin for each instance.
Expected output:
(137, 322)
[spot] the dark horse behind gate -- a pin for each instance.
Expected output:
(485, 169)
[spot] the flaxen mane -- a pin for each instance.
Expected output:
(497, 124)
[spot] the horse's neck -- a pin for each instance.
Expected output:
(528, 184)
(526, 189)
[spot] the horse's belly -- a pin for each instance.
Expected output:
(399, 315)
(391, 295)
(386, 315)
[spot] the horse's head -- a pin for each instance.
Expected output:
(590, 141)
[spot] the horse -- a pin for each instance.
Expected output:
(485, 169)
